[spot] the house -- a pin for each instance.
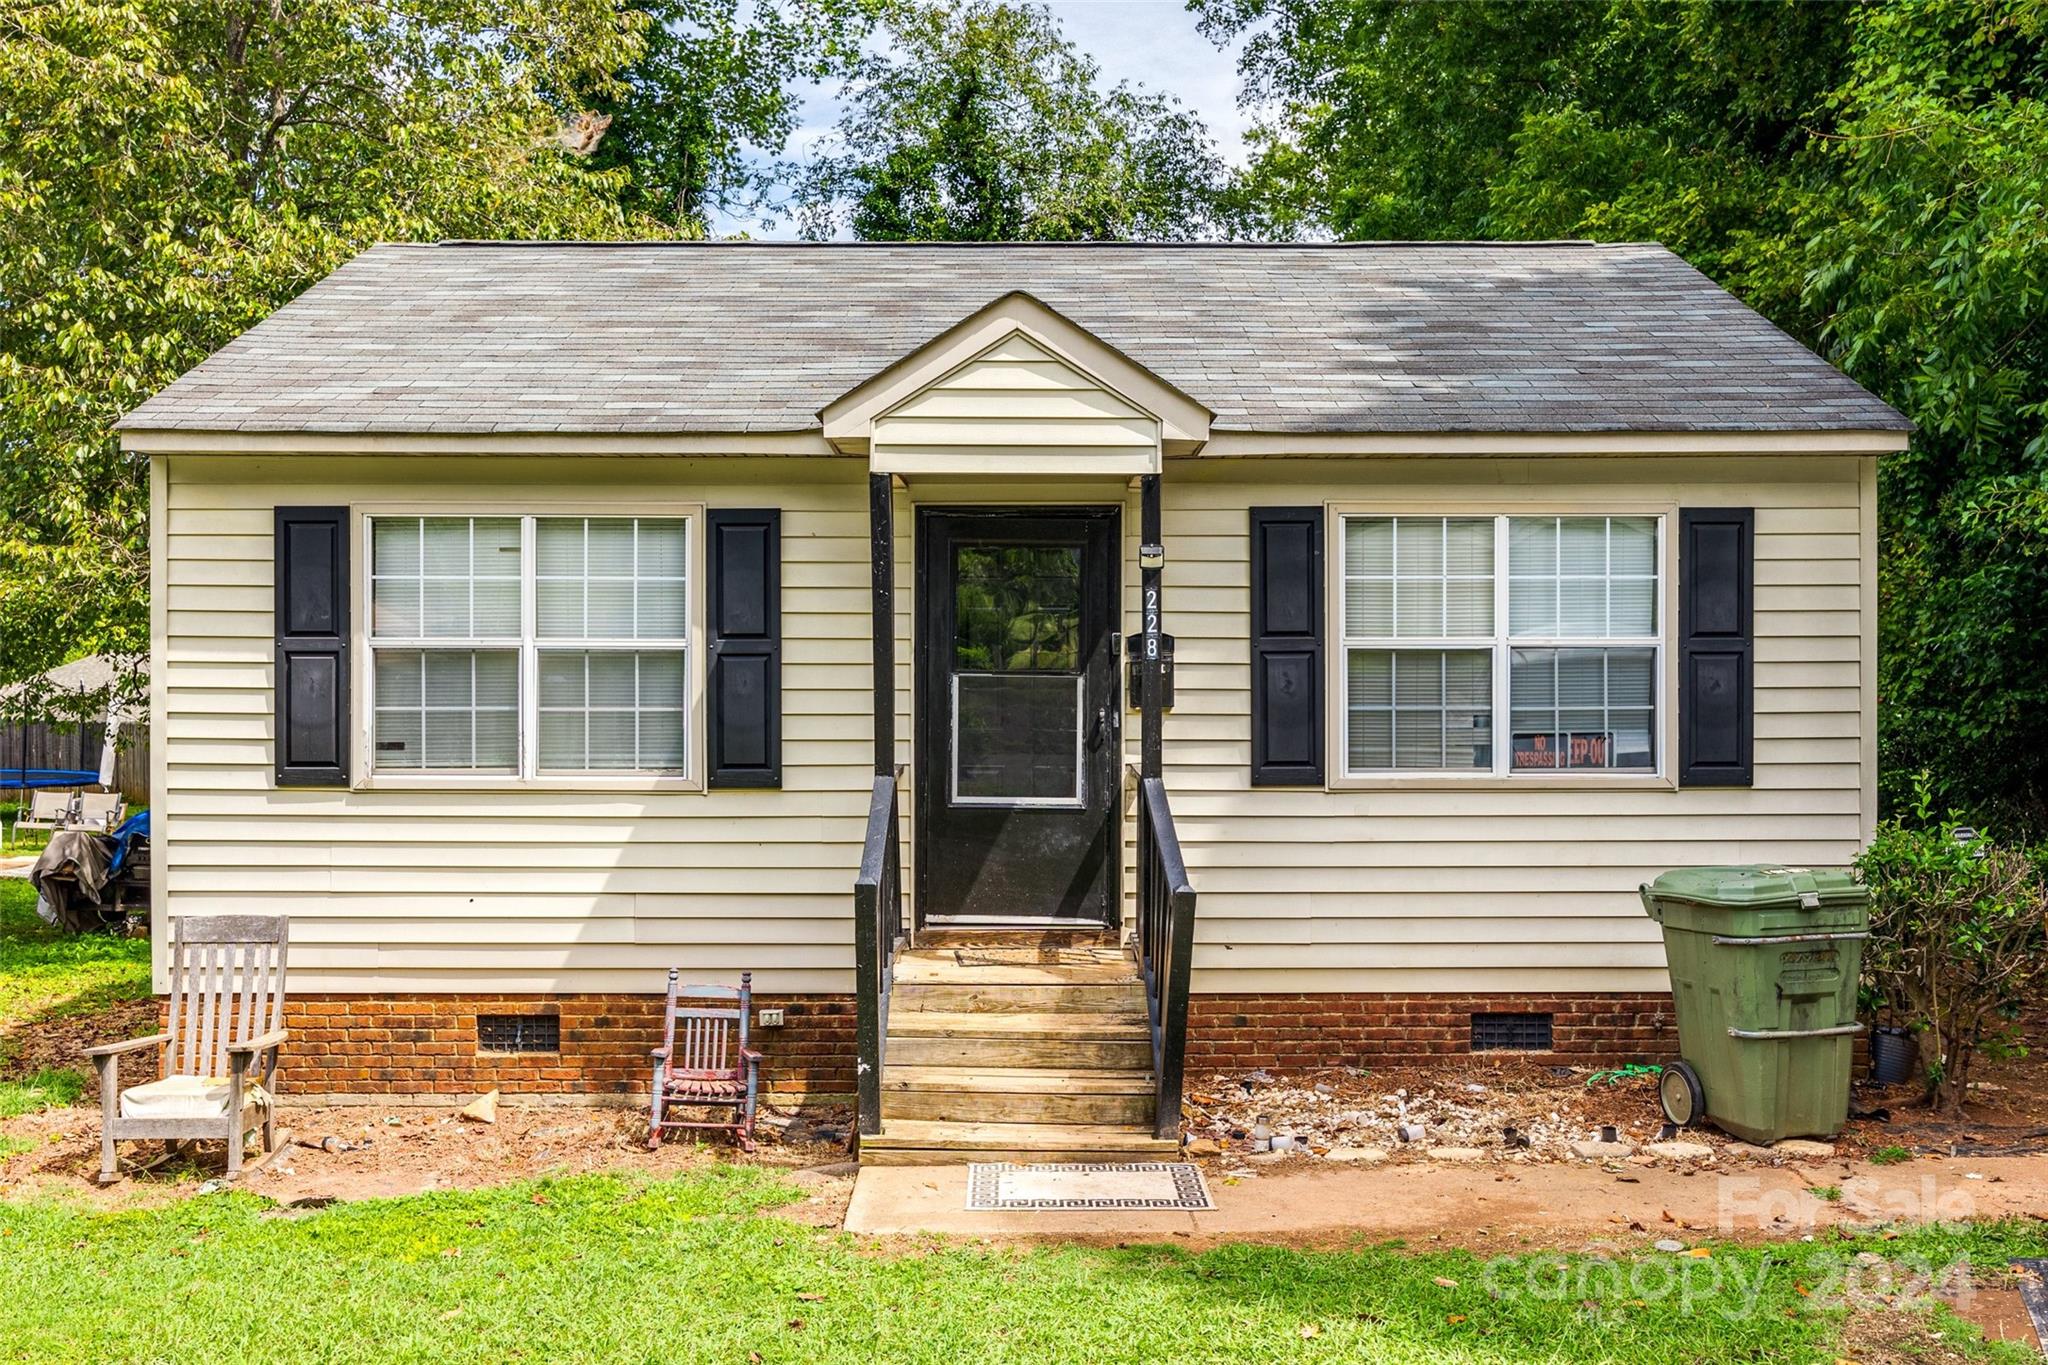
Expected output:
(1350, 629)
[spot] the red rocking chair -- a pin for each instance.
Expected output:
(710, 1064)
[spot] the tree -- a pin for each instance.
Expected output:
(715, 76)
(173, 170)
(1870, 177)
(985, 124)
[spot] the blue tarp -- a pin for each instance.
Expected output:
(134, 827)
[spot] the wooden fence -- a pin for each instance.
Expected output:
(44, 744)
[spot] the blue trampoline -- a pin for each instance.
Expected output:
(14, 779)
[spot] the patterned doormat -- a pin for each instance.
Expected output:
(993, 1186)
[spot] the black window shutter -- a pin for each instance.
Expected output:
(1287, 646)
(311, 688)
(1716, 646)
(744, 592)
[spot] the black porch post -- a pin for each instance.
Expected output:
(882, 528)
(1151, 557)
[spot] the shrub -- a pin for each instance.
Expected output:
(1958, 940)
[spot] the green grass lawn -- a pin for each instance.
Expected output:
(693, 1269)
(46, 975)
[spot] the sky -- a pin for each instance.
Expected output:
(1152, 43)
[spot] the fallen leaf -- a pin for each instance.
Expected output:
(810, 1298)
(1446, 1282)
(1700, 1253)
(1309, 1330)
(796, 1324)
(1801, 1290)
(451, 1314)
(1665, 1214)
(540, 1198)
(1455, 1317)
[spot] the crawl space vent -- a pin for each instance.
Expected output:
(519, 1033)
(1511, 1033)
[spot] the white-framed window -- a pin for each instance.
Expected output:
(1501, 645)
(529, 646)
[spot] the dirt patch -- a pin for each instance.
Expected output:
(1532, 1112)
(367, 1152)
(58, 1043)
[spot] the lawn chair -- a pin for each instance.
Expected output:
(49, 810)
(219, 1056)
(709, 1064)
(98, 811)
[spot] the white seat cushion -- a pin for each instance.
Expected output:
(186, 1097)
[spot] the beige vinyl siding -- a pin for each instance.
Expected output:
(1015, 409)
(1525, 883)
(546, 887)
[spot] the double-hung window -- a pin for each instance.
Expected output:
(529, 646)
(1501, 645)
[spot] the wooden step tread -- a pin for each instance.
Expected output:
(1051, 1138)
(913, 969)
(1075, 1024)
(1017, 1080)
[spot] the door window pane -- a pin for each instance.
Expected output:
(444, 709)
(611, 710)
(1418, 709)
(1582, 708)
(1016, 608)
(1016, 739)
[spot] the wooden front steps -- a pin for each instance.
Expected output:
(1017, 1048)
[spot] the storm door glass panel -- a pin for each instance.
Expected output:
(1017, 674)
(1016, 608)
(1016, 739)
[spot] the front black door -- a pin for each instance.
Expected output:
(1017, 744)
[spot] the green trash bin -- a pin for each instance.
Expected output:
(1764, 963)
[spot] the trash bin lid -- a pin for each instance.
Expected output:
(1759, 887)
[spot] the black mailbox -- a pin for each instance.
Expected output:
(1134, 647)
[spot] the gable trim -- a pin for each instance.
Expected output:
(848, 420)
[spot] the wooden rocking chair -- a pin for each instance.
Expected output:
(219, 1055)
(710, 1065)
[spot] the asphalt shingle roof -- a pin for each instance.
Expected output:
(519, 337)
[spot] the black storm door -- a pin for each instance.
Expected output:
(1018, 715)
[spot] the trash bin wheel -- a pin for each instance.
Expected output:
(1679, 1094)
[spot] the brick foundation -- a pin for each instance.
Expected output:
(1299, 1032)
(427, 1045)
(350, 1045)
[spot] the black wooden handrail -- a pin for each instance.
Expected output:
(877, 934)
(1166, 937)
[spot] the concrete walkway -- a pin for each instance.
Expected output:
(1490, 1205)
